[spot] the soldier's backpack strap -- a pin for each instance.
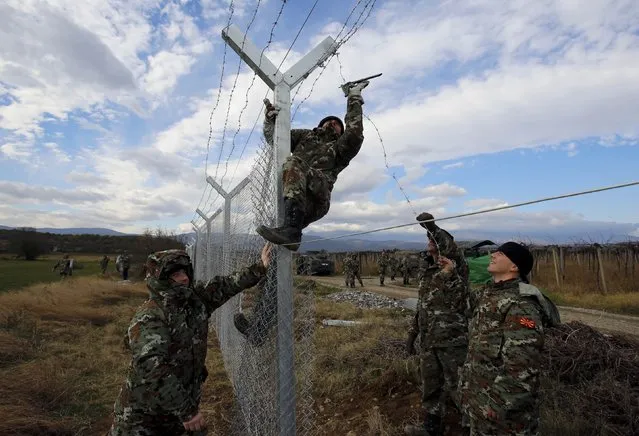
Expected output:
(550, 310)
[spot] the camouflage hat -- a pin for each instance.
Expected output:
(162, 264)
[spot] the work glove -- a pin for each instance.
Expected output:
(410, 343)
(426, 216)
(354, 89)
(270, 111)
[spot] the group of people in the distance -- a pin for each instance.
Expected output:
(479, 350)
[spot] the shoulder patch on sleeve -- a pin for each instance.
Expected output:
(527, 322)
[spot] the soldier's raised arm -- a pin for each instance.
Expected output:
(148, 338)
(350, 142)
(270, 113)
(220, 289)
(444, 240)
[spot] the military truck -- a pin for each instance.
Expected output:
(315, 263)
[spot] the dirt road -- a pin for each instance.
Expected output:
(604, 321)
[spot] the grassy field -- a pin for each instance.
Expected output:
(19, 273)
(66, 339)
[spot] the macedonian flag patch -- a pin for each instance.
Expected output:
(527, 322)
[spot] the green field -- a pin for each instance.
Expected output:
(16, 274)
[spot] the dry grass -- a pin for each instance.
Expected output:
(62, 359)
(583, 278)
(627, 303)
(62, 363)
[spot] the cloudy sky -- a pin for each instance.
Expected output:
(105, 108)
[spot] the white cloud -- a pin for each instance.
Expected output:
(16, 151)
(478, 204)
(443, 190)
(15, 192)
(453, 165)
(60, 155)
(460, 79)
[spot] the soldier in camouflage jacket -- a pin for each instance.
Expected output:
(382, 264)
(318, 156)
(167, 338)
(441, 323)
(499, 383)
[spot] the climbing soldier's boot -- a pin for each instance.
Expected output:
(242, 324)
(291, 232)
(254, 336)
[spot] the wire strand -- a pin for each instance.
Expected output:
(479, 212)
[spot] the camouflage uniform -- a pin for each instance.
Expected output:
(382, 264)
(355, 266)
(104, 262)
(318, 156)
(393, 266)
(65, 266)
(167, 338)
(349, 276)
(309, 174)
(499, 383)
(404, 268)
(441, 323)
(125, 264)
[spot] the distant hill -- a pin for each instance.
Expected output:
(75, 231)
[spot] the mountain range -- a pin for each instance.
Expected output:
(373, 242)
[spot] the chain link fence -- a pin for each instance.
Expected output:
(246, 325)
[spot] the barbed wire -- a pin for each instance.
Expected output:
(247, 100)
(237, 76)
(308, 15)
(217, 102)
(348, 17)
(368, 5)
(359, 22)
(479, 212)
(381, 141)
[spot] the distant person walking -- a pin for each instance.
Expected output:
(104, 262)
(125, 264)
(66, 266)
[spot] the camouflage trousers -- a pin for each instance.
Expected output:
(406, 277)
(358, 277)
(349, 279)
(439, 374)
(148, 425)
(382, 274)
(308, 186)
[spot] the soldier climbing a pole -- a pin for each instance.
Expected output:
(310, 172)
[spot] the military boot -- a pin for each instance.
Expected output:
(242, 323)
(431, 427)
(253, 335)
(291, 231)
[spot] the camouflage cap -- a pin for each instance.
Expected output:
(162, 264)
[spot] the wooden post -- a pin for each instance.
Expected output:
(562, 264)
(578, 258)
(601, 270)
(556, 263)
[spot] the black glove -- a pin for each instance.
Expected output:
(410, 343)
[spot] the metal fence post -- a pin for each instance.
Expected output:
(281, 83)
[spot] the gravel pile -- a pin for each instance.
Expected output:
(365, 300)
